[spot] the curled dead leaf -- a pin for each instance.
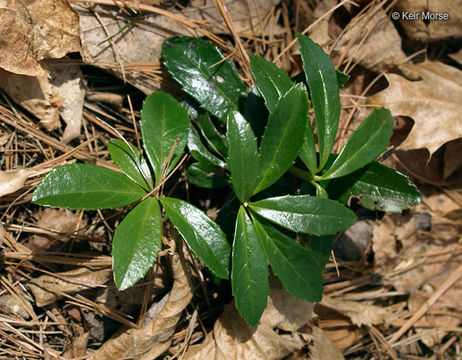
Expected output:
(359, 313)
(233, 339)
(49, 288)
(432, 102)
(11, 181)
(371, 40)
(36, 30)
(322, 348)
(154, 338)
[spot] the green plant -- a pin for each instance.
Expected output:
(254, 141)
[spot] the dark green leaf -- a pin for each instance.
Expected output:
(306, 214)
(199, 151)
(163, 121)
(201, 71)
(293, 264)
(283, 136)
(242, 155)
(204, 174)
(322, 81)
(378, 187)
(137, 242)
(321, 248)
(249, 275)
(308, 150)
(202, 235)
(254, 111)
(214, 138)
(271, 81)
(367, 142)
(131, 162)
(342, 78)
(86, 186)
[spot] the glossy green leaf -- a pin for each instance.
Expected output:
(254, 111)
(204, 74)
(283, 136)
(342, 78)
(305, 214)
(367, 142)
(322, 81)
(249, 274)
(308, 150)
(202, 235)
(293, 264)
(205, 174)
(378, 187)
(199, 151)
(321, 248)
(214, 138)
(86, 186)
(131, 162)
(243, 156)
(163, 121)
(271, 81)
(137, 242)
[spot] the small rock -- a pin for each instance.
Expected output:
(353, 242)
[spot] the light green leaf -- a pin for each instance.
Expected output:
(249, 275)
(378, 187)
(204, 74)
(131, 162)
(242, 155)
(367, 142)
(200, 152)
(305, 214)
(137, 242)
(271, 81)
(202, 235)
(86, 186)
(163, 121)
(283, 136)
(293, 264)
(322, 81)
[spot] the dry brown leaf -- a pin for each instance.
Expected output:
(60, 92)
(359, 313)
(322, 348)
(36, 30)
(242, 14)
(56, 221)
(421, 260)
(344, 337)
(67, 82)
(320, 32)
(427, 31)
(433, 103)
(155, 336)
(381, 49)
(47, 288)
(11, 181)
(138, 47)
(457, 56)
(233, 339)
(11, 304)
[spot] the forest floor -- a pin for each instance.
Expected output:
(73, 75)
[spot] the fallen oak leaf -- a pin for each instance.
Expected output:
(433, 103)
